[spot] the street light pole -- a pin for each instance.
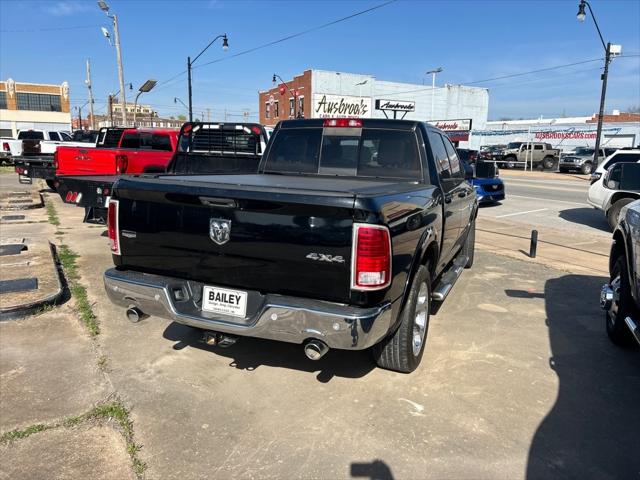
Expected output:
(605, 74)
(116, 34)
(146, 87)
(225, 47)
(433, 87)
(292, 92)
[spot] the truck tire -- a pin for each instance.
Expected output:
(622, 307)
(403, 349)
(586, 168)
(613, 214)
(509, 162)
(548, 163)
(469, 247)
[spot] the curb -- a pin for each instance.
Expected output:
(31, 307)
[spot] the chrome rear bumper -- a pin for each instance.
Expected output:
(275, 317)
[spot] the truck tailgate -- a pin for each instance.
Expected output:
(168, 226)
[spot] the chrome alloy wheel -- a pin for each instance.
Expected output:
(610, 299)
(421, 319)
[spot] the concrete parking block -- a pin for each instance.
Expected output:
(21, 200)
(36, 261)
(48, 370)
(86, 452)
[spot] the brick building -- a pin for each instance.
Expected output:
(33, 106)
(278, 103)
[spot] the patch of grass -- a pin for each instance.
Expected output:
(18, 434)
(106, 412)
(78, 291)
(7, 169)
(53, 215)
(118, 412)
(44, 309)
(102, 363)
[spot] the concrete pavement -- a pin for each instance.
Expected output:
(516, 350)
(518, 381)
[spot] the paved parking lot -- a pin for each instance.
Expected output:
(518, 381)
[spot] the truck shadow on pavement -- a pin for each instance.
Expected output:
(592, 429)
(588, 216)
(250, 353)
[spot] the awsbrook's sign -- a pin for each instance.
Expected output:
(395, 105)
(341, 106)
(463, 125)
(456, 130)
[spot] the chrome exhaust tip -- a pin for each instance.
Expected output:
(315, 349)
(134, 314)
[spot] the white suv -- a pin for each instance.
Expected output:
(606, 199)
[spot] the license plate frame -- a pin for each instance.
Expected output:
(224, 301)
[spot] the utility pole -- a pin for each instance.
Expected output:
(208, 115)
(88, 82)
(111, 109)
(603, 94)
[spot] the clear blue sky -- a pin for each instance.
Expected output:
(471, 40)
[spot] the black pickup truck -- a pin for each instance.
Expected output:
(348, 236)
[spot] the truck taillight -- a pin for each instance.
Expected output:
(122, 163)
(343, 122)
(370, 257)
(112, 226)
(55, 159)
(5, 146)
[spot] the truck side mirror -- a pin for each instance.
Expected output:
(468, 171)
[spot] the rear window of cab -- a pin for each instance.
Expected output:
(353, 152)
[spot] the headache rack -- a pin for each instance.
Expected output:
(222, 139)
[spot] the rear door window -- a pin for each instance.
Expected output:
(622, 158)
(454, 161)
(161, 142)
(130, 140)
(54, 136)
(440, 156)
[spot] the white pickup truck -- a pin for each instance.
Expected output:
(44, 141)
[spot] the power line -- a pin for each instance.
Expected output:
(503, 77)
(283, 39)
(295, 35)
(50, 29)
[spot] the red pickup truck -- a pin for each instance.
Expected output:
(137, 151)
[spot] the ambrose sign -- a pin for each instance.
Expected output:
(340, 106)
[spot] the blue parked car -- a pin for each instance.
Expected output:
(489, 186)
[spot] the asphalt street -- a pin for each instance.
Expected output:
(560, 204)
